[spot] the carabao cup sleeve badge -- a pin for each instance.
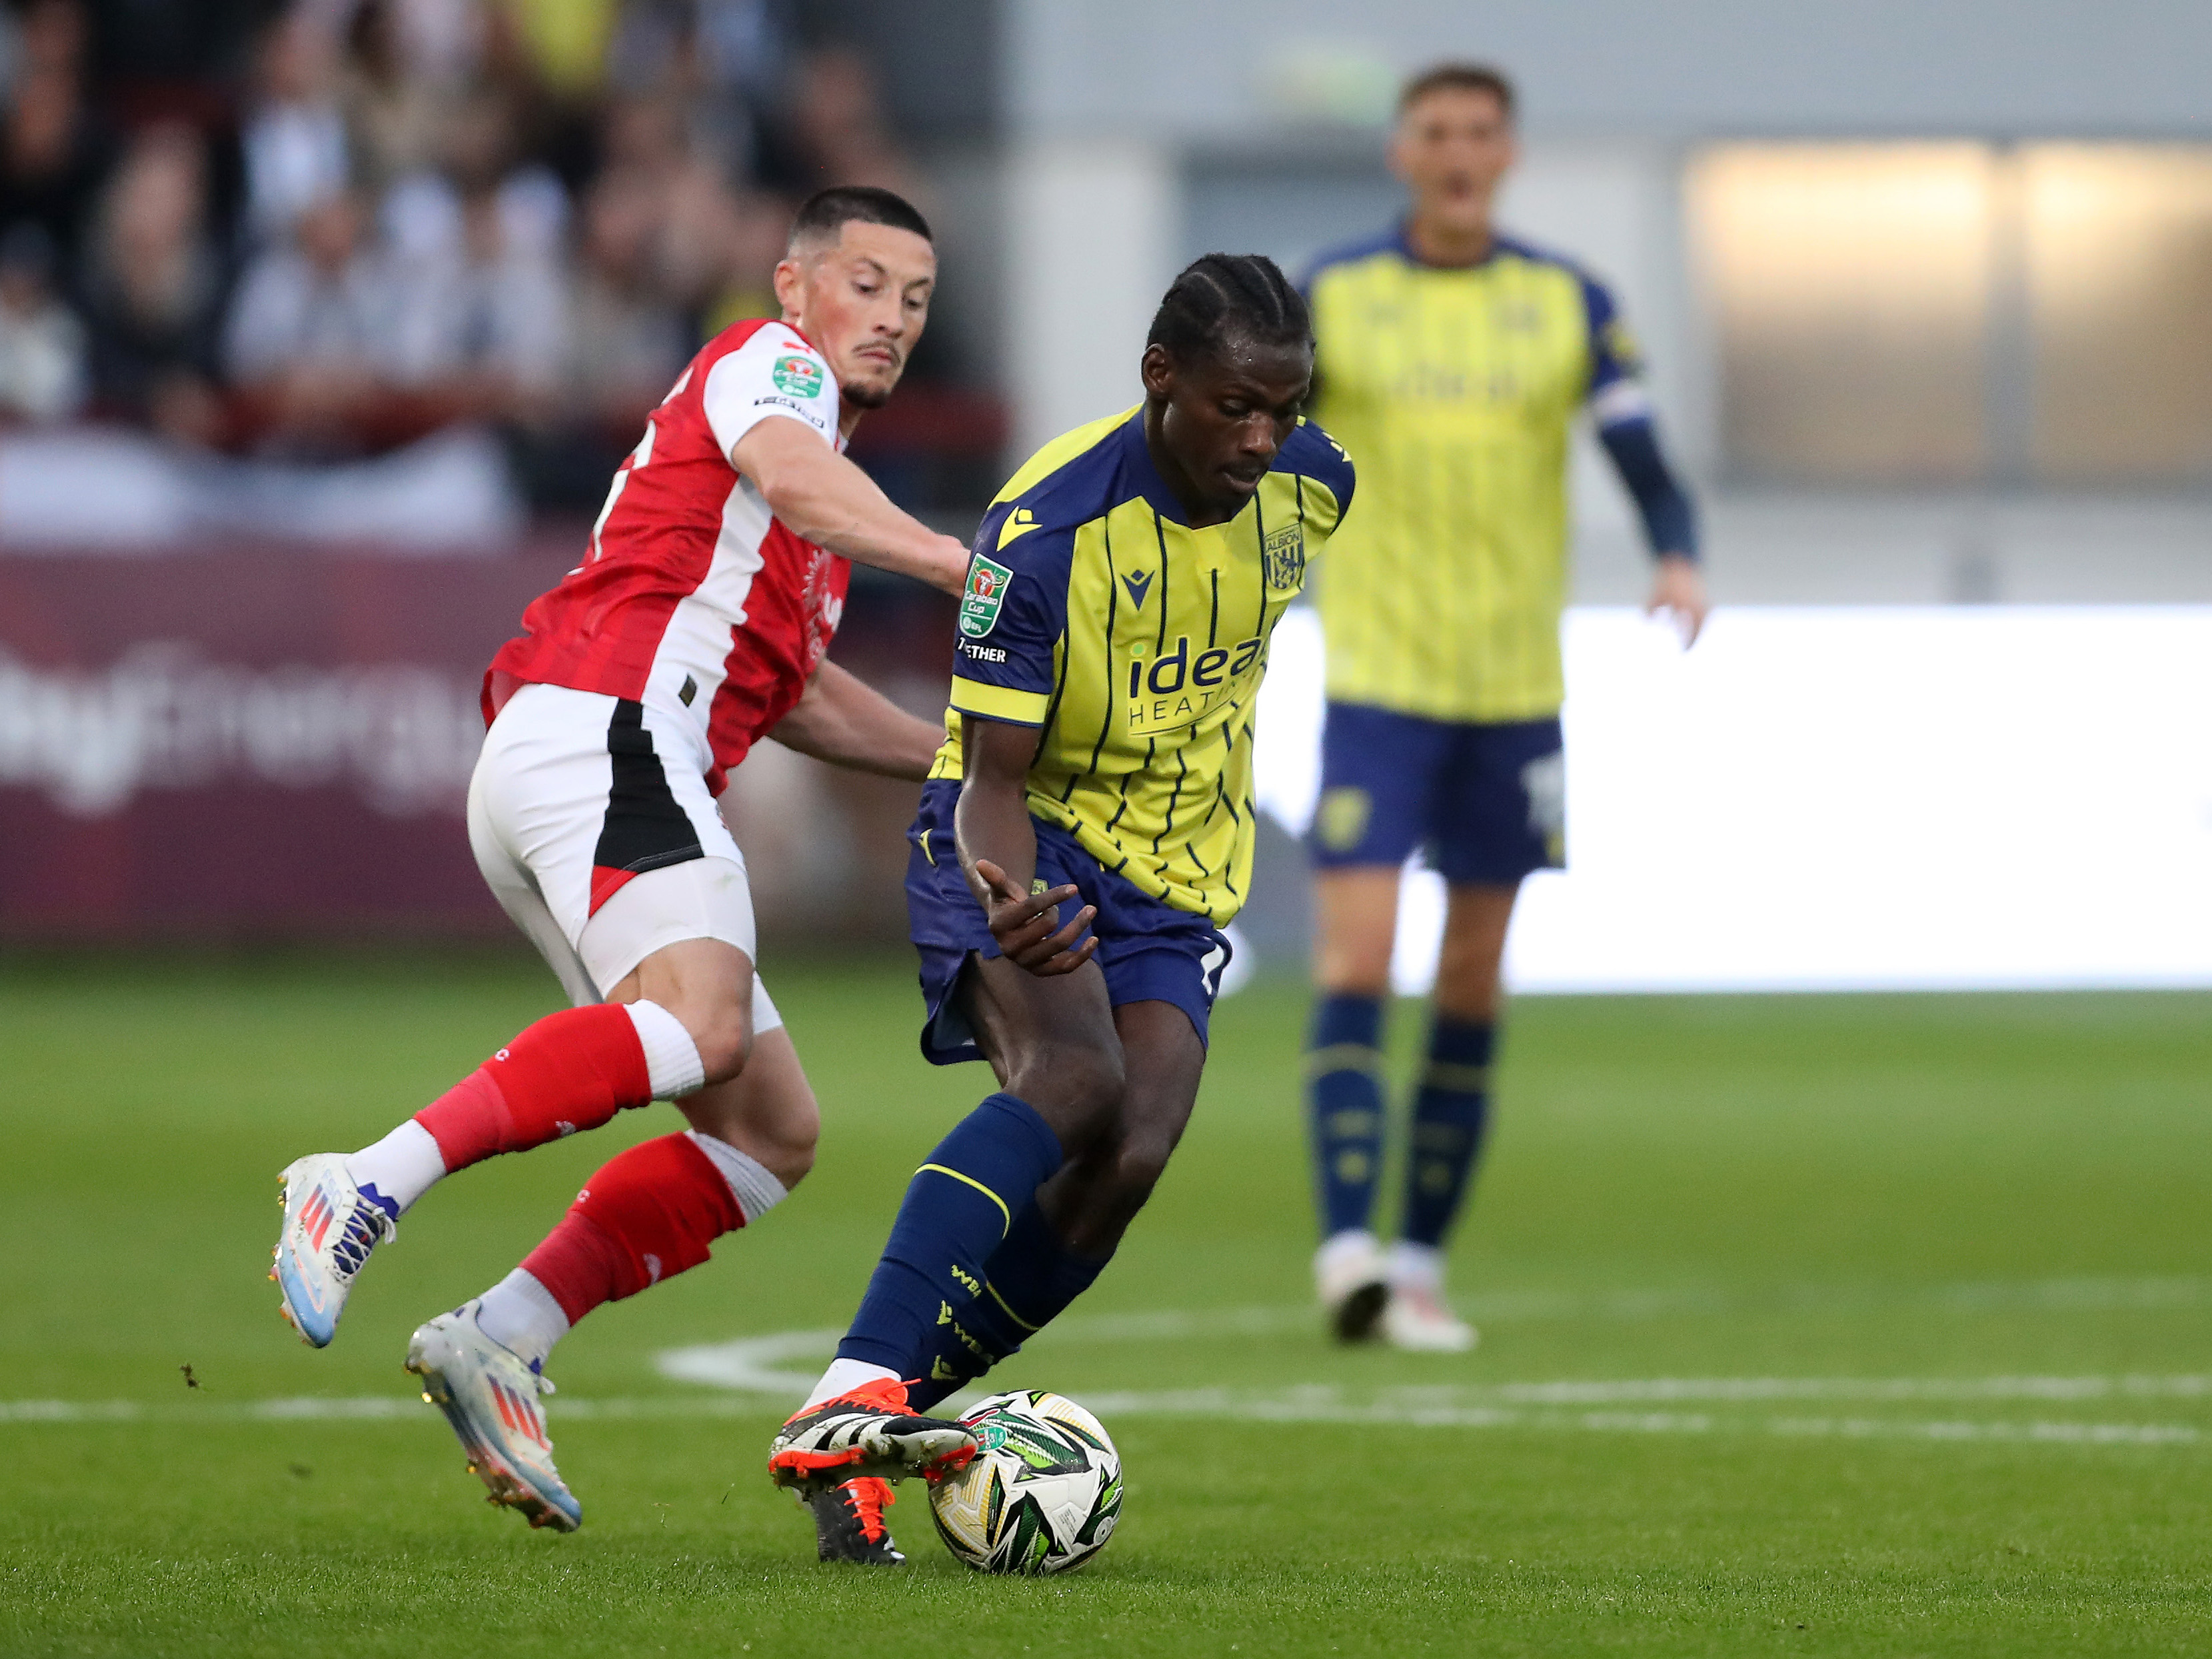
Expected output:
(988, 582)
(800, 376)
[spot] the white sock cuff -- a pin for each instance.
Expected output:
(521, 1314)
(1417, 1266)
(756, 1191)
(402, 1167)
(1350, 1245)
(843, 1376)
(672, 1059)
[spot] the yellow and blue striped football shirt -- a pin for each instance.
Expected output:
(1454, 389)
(1135, 643)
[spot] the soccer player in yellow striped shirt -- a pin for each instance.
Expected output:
(1096, 776)
(1453, 362)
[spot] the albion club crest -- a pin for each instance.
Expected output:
(1283, 556)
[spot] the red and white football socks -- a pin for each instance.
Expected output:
(570, 1071)
(648, 1214)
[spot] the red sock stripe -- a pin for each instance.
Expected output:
(647, 1215)
(571, 1071)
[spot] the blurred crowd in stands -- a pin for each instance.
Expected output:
(316, 231)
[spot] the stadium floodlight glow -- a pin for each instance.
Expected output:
(1850, 798)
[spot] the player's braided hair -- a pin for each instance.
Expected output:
(1224, 296)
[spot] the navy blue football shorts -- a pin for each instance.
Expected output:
(1487, 802)
(1148, 950)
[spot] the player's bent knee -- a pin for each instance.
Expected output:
(723, 1034)
(790, 1146)
(1137, 1169)
(1080, 1084)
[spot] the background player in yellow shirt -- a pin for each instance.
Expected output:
(1452, 364)
(1096, 776)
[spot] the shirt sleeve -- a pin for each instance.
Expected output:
(1013, 612)
(1616, 380)
(772, 374)
(1324, 460)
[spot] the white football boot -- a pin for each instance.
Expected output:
(1419, 1320)
(329, 1230)
(1352, 1281)
(490, 1397)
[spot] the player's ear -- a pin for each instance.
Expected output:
(1158, 371)
(790, 278)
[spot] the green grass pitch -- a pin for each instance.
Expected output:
(1872, 1326)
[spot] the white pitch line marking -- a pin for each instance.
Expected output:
(1298, 1405)
(750, 1363)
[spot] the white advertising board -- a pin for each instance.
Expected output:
(1877, 797)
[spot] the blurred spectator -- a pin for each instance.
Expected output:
(722, 59)
(396, 108)
(171, 60)
(294, 136)
(741, 282)
(153, 288)
(311, 336)
(53, 155)
(396, 177)
(52, 34)
(842, 131)
(563, 42)
(628, 342)
(486, 328)
(42, 375)
(440, 42)
(481, 140)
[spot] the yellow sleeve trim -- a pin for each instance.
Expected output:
(1000, 702)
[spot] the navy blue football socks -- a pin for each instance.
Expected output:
(959, 1208)
(1450, 1112)
(1029, 1282)
(1344, 1108)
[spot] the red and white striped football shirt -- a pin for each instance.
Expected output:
(695, 599)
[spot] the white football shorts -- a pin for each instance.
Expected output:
(589, 818)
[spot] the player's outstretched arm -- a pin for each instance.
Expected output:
(843, 720)
(998, 853)
(824, 499)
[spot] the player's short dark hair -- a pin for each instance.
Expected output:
(1459, 77)
(827, 212)
(1225, 296)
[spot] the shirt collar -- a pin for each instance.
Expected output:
(1402, 237)
(1146, 476)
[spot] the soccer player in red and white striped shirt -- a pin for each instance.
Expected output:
(696, 625)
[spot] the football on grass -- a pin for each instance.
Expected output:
(1042, 1494)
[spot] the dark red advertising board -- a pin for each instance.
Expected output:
(275, 741)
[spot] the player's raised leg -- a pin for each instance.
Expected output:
(540, 808)
(649, 1213)
(569, 1071)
